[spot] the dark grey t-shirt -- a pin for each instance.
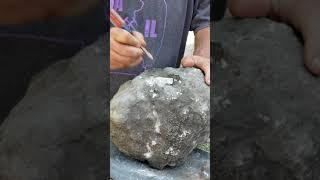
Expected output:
(165, 25)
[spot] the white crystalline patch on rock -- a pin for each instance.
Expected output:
(149, 153)
(168, 151)
(157, 124)
(153, 143)
(171, 93)
(185, 110)
(184, 133)
(160, 81)
(154, 95)
(171, 152)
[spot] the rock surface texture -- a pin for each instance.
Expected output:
(161, 115)
(266, 104)
(57, 131)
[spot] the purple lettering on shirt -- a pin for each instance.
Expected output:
(147, 28)
(153, 33)
(150, 28)
(116, 5)
(111, 3)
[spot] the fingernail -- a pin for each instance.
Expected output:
(316, 62)
(207, 81)
(316, 65)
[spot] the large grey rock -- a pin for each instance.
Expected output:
(161, 115)
(57, 130)
(29, 48)
(267, 111)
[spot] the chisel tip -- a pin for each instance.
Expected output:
(147, 53)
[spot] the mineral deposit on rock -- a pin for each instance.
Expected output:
(161, 115)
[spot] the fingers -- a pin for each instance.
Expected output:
(204, 65)
(198, 62)
(303, 16)
(207, 77)
(187, 62)
(310, 32)
(312, 55)
(125, 48)
(140, 37)
(118, 61)
(124, 56)
(124, 37)
(314, 65)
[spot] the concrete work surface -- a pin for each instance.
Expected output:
(124, 168)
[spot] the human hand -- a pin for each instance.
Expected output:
(199, 62)
(303, 15)
(125, 48)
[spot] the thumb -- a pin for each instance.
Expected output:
(207, 78)
(198, 62)
(204, 65)
(140, 37)
(312, 55)
(206, 70)
(187, 61)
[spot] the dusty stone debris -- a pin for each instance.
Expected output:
(161, 115)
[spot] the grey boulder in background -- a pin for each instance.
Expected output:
(57, 131)
(267, 112)
(161, 115)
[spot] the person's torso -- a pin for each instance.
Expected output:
(164, 24)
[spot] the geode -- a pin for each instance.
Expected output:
(161, 115)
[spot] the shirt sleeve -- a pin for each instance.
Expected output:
(201, 15)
